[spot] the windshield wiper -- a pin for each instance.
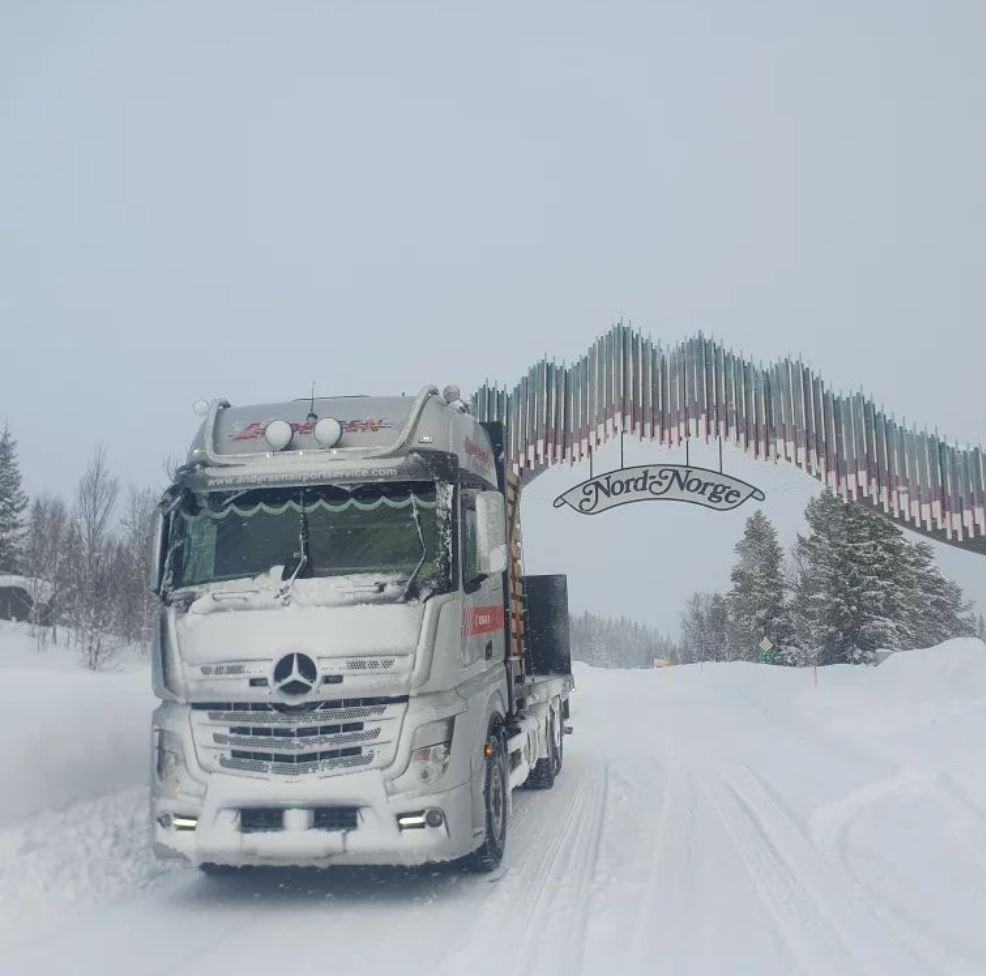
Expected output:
(424, 548)
(285, 591)
(226, 502)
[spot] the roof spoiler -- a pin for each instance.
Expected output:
(226, 460)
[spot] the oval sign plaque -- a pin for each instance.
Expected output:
(659, 482)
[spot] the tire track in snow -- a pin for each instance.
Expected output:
(831, 826)
(643, 925)
(546, 888)
(826, 929)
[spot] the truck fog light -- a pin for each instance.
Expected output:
(177, 822)
(434, 818)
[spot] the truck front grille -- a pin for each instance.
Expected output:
(322, 737)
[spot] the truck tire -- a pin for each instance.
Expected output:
(496, 789)
(542, 776)
(559, 742)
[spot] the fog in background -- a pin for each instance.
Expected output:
(236, 199)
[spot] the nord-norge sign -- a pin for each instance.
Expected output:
(659, 482)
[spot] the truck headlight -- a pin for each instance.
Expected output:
(170, 769)
(431, 750)
(168, 757)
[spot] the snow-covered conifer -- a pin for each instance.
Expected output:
(841, 600)
(617, 643)
(861, 586)
(936, 608)
(13, 502)
(757, 600)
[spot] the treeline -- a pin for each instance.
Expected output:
(853, 585)
(616, 642)
(85, 560)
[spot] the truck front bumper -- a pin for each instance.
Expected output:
(216, 830)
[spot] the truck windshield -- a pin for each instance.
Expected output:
(388, 532)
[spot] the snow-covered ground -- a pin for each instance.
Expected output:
(721, 819)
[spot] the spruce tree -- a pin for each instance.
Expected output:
(13, 502)
(756, 601)
(862, 586)
(882, 554)
(936, 609)
(844, 596)
(718, 644)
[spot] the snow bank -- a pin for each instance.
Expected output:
(69, 733)
(62, 861)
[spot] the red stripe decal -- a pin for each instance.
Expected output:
(484, 620)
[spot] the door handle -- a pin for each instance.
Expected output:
(489, 650)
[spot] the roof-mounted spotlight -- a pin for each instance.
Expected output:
(278, 434)
(200, 406)
(327, 431)
(451, 393)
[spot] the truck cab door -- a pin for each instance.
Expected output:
(483, 637)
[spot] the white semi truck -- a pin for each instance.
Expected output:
(351, 665)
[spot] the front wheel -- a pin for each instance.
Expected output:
(496, 800)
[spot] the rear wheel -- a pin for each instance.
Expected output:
(496, 800)
(559, 742)
(542, 776)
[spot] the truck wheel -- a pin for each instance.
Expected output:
(496, 798)
(559, 742)
(542, 776)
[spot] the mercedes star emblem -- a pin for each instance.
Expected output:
(295, 674)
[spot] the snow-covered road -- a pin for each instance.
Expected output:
(731, 819)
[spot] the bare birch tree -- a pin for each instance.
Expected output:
(46, 563)
(93, 604)
(135, 604)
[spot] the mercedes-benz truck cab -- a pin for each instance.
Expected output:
(341, 655)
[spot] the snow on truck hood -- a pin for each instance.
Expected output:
(325, 618)
(269, 591)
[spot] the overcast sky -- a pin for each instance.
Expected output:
(234, 199)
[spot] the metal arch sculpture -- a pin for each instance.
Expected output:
(697, 388)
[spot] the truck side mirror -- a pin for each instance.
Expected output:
(491, 533)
